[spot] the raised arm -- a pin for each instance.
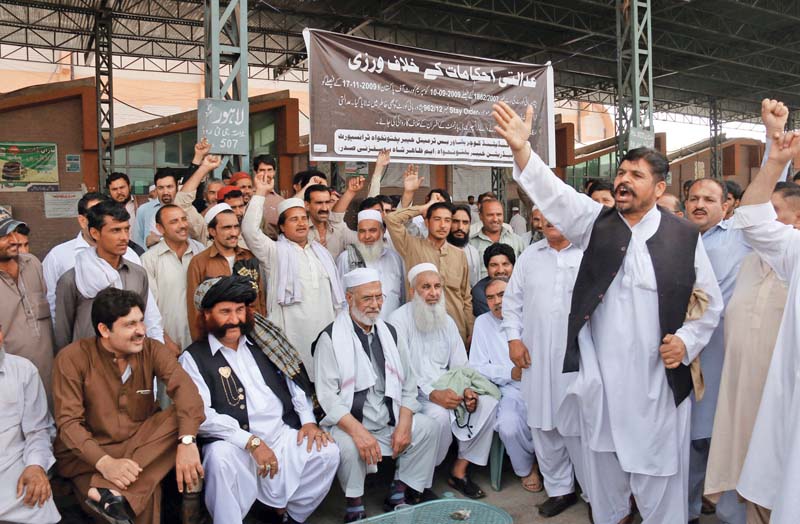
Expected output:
(778, 244)
(774, 122)
(411, 183)
(354, 185)
(258, 242)
(571, 212)
(381, 163)
(185, 197)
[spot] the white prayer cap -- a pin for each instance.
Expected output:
(370, 214)
(151, 188)
(361, 276)
(421, 268)
(215, 210)
(515, 208)
(289, 203)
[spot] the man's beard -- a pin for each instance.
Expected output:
(371, 252)
(456, 241)
(362, 317)
(429, 317)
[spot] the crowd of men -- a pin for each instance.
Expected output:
(632, 348)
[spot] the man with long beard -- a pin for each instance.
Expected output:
(368, 392)
(435, 348)
(459, 237)
(371, 251)
(256, 416)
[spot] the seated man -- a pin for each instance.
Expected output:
(365, 385)
(370, 250)
(113, 443)
(489, 355)
(435, 347)
(256, 415)
(26, 451)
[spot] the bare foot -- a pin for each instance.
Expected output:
(533, 482)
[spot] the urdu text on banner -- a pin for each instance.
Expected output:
(427, 107)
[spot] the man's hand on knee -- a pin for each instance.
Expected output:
(35, 485)
(120, 472)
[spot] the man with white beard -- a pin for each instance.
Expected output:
(489, 355)
(367, 390)
(435, 347)
(371, 251)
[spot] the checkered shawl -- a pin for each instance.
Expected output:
(271, 340)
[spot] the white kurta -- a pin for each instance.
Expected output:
(232, 485)
(302, 321)
(489, 355)
(431, 356)
(518, 224)
(535, 309)
(393, 280)
(621, 371)
(26, 438)
(771, 472)
(474, 262)
(167, 277)
(61, 259)
(628, 410)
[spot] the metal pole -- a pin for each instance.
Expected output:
(715, 143)
(634, 70)
(104, 94)
(226, 41)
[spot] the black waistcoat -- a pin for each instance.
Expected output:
(672, 250)
(224, 391)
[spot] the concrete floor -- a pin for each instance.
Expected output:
(520, 504)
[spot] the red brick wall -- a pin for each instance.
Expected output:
(59, 122)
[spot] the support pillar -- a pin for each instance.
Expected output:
(103, 73)
(715, 143)
(634, 75)
(227, 52)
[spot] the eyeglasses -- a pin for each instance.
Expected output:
(372, 298)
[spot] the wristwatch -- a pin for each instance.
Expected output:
(187, 440)
(253, 443)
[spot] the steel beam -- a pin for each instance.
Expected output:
(634, 70)
(104, 90)
(715, 144)
(226, 47)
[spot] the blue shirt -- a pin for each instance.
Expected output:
(145, 218)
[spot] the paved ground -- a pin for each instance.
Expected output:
(520, 504)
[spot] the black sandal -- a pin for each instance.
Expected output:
(114, 508)
(466, 487)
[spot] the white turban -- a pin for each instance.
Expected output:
(421, 268)
(361, 276)
(215, 210)
(370, 214)
(289, 203)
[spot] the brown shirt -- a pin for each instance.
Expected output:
(210, 263)
(94, 408)
(450, 260)
(25, 316)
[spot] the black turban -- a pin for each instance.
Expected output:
(234, 288)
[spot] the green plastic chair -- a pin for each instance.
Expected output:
(439, 511)
(496, 457)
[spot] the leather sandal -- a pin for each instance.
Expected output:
(354, 513)
(114, 508)
(466, 487)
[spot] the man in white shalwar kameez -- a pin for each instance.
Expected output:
(535, 309)
(26, 444)
(771, 472)
(435, 347)
(489, 355)
(370, 250)
(256, 417)
(304, 291)
(369, 395)
(627, 335)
